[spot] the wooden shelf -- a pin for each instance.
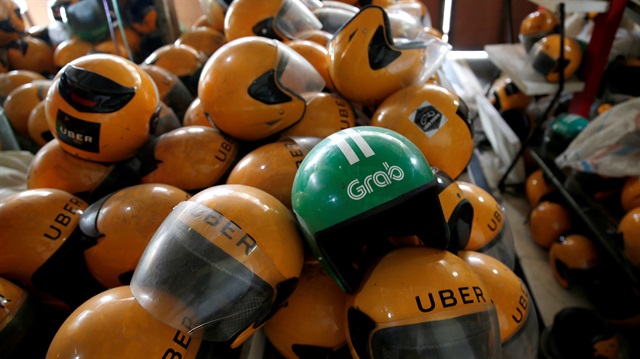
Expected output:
(575, 5)
(512, 60)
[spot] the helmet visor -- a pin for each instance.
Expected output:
(297, 75)
(502, 246)
(203, 272)
(473, 335)
(294, 18)
(523, 343)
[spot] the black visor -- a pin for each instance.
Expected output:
(88, 91)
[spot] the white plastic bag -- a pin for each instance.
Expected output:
(610, 145)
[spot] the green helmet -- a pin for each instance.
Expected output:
(358, 187)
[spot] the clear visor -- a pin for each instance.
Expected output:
(297, 75)
(203, 272)
(294, 18)
(413, 9)
(524, 343)
(474, 335)
(502, 246)
(332, 18)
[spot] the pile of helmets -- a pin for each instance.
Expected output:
(286, 165)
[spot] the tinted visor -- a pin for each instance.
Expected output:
(88, 91)
(203, 272)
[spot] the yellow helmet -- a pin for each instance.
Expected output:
(326, 114)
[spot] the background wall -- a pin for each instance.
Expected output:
(474, 22)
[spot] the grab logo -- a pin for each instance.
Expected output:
(356, 189)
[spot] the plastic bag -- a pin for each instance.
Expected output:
(609, 145)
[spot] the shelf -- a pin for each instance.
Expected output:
(575, 5)
(512, 60)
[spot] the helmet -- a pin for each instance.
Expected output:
(13, 79)
(102, 107)
(548, 221)
(629, 230)
(38, 126)
(69, 50)
(326, 114)
(537, 187)
(457, 209)
(516, 311)
(320, 37)
(274, 19)
(172, 91)
(203, 39)
(54, 6)
(42, 248)
(572, 257)
(507, 96)
(110, 47)
(313, 321)
(272, 167)
(122, 224)
(214, 12)
(245, 256)
(141, 15)
(132, 38)
(630, 193)
(433, 118)
(12, 24)
(21, 101)
(545, 57)
(17, 317)
(190, 158)
(490, 230)
(537, 25)
(53, 167)
(195, 115)
(87, 20)
(357, 187)
(255, 87)
(182, 60)
(580, 333)
(112, 323)
(317, 55)
(333, 17)
(560, 132)
(422, 302)
(366, 66)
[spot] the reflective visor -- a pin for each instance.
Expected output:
(203, 272)
(474, 335)
(88, 91)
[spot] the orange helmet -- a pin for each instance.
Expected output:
(255, 87)
(42, 248)
(571, 258)
(203, 39)
(141, 15)
(272, 167)
(320, 37)
(490, 231)
(53, 167)
(132, 37)
(436, 120)
(629, 229)
(537, 187)
(245, 253)
(190, 158)
(172, 91)
(122, 224)
(507, 96)
(516, 311)
(548, 221)
(274, 19)
(326, 114)
(313, 320)
(110, 47)
(195, 115)
(457, 209)
(31, 53)
(182, 60)
(11, 80)
(112, 323)
(21, 101)
(412, 294)
(17, 318)
(12, 24)
(630, 193)
(69, 50)
(317, 55)
(537, 25)
(102, 107)
(37, 125)
(214, 12)
(545, 57)
(366, 65)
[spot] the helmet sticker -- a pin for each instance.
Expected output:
(428, 118)
(80, 134)
(347, 151)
